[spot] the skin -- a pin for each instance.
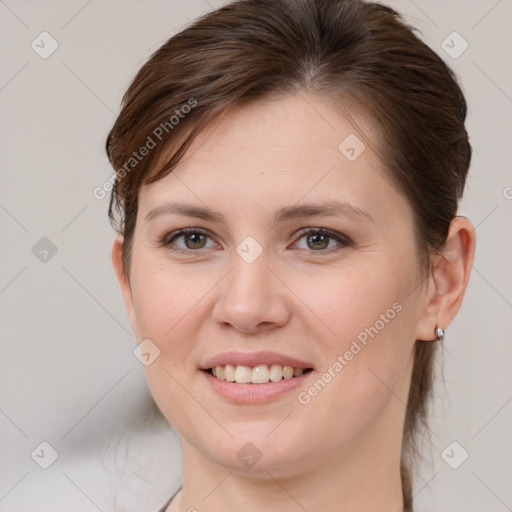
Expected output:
(296, 299)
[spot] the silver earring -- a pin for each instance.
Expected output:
(439, 333)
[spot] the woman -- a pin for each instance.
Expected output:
(289, 250)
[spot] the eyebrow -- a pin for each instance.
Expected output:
(332, 208)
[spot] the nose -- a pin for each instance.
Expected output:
(252, 298)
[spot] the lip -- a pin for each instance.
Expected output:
(254, 393)
(253, 359)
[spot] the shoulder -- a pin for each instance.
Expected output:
(168, 502)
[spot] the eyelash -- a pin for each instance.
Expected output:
(343, 241)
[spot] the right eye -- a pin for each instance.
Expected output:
(193, 239)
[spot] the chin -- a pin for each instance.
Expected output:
(254, 447)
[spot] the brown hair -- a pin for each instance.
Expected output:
(364, 58)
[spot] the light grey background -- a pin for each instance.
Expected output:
(67, 371)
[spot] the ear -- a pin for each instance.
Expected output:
(124, 282)
(448, 279)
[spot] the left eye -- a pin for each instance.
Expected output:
(320, 240)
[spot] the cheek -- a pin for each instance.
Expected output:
(171, 302)
(362, 304)
(367, 337)
(165, 303)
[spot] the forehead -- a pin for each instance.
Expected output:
(274, 152)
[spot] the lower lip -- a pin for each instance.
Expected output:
(254, 393)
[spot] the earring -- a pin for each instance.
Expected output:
(439, 333)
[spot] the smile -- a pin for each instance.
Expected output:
(260, 374)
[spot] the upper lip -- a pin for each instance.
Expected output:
(253, 359)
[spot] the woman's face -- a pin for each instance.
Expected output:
(300, 253)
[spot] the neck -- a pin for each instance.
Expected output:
(364, 476)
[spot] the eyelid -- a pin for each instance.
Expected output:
(183, 231)
(325, 231)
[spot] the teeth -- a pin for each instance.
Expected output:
(287, 372)
(258, 375)
(229, 372)
(276, 372)
(243, 374)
